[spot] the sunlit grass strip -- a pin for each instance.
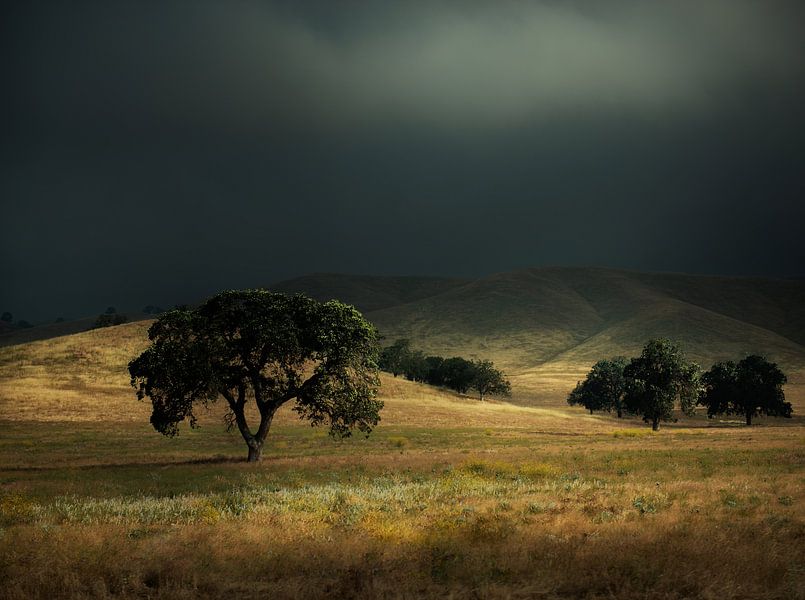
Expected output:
(453, 497)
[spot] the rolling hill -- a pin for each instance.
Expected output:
(369, 293)
(16, 336)
(492, 486)
(533, 316)
(544, 326)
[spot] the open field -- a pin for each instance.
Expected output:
(98, 510)
(447, 497)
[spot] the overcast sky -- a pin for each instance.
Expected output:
(156, 152)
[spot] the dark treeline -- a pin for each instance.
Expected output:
(109, 318)
(455, 373)
(7, 322)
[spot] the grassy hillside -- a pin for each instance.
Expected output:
(84, 378)
(531, 317)
(776, 305)
(447, 498)
(546, 326)
(16, 336)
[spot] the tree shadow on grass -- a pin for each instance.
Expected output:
(133, 464)
(695, 422)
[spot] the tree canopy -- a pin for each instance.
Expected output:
(457, 374)
(657, 379)
(752, 387)
(488, 380)
(393, 358)
(109, 319)
(603, 388)
(264, 347)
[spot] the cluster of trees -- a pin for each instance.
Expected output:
(109, 318)
(651, 385)
(456, 373)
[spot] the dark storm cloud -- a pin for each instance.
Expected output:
(155, 152)
(249, 65)
(504, 64)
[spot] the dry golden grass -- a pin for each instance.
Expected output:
(676, 517)
(72, 378)
(448, 497)
(83, 377)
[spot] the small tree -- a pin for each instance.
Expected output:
(603, 388)
(752, 387)
(459, 374)
(7, 317)
(266, 347)
(415, 367)
(435, 367)
(108, 319)
(394, 358)
(719, 389)
(583, 395)
(657, 379)
(487, 380)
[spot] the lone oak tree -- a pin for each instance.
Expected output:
(656, 379)
(266, 347)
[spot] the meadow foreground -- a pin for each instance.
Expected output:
(522, 511)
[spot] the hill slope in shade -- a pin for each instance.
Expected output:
(46, 331)
(531, 317)
(368, 293)
(546, 326)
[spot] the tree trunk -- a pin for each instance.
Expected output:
(749, 419)
(254, 441)
(655, 424)
(259, 438)
(591, 410)
(620, 413)
(255, 452)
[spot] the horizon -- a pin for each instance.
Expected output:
(136, 308)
